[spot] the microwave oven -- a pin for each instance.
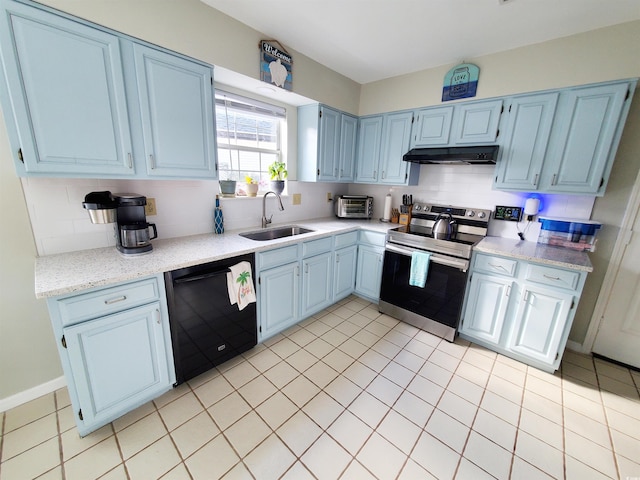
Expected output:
(353, 206)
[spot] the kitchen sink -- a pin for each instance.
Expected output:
(273, 233)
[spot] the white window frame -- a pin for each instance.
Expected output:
(229, 103)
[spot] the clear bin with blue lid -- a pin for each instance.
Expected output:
(569, 233)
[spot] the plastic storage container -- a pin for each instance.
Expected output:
(575, 234)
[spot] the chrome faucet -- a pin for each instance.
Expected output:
(266, 221)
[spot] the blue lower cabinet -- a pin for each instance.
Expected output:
(344, 272)
(317, 291)
(113, 362)
(278, 293)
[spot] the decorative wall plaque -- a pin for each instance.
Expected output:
(275, 64)
(460, 82)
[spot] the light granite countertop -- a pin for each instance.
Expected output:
(536, 252)
(75, 271)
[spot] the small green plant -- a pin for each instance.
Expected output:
(278, 171)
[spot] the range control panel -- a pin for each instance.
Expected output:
(511, 214)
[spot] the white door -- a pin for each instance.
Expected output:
(618, 337)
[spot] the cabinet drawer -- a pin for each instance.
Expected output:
(554, 277)
(105, 301)
(346, 239)
(276, 257)
(502, 266)
(373, 238)
(314, 247)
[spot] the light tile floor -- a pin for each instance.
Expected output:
(351, 394)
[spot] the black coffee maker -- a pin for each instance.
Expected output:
(126, 210)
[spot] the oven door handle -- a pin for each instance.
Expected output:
(460, 264)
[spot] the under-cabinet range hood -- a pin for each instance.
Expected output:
(477, 155)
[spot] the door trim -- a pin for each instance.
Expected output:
(633, 205)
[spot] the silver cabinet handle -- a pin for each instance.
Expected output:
(111, 301)
(553, 179)
(152, 161)
(535, 180)
(550, 277)
(306, 268)
(498, 267)
(130, 158)
(508, 290)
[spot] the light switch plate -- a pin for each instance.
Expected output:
(296, 199)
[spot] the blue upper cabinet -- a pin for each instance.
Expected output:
(369, 143)
(175, 99)
(65, 89)
(432, 127)
(524, 145)
(476, 122)
(382, 142)
(326, 144)
(83, 101)
(565, 141)
(585, 138)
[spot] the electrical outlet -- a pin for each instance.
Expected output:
(150, 207)
(329, 197)
(297, 199)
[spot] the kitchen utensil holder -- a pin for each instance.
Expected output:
(405, 218)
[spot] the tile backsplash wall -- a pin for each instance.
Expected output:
(471, 186)
(60, 224)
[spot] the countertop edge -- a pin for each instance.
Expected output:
(536, 252)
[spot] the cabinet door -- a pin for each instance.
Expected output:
(587, 124)
(278, 299)
(348, 140)
(176, 104)
(66, 91)
(432, 127)
(396, 136)
(539, 323)
(477, 122)
(369, 143)
(526, 139)
(344, 272)
(316, 283)
(118, 362)
(329, 144)
(369, 271)
(486, 308)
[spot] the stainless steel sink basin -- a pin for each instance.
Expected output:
(273, 233)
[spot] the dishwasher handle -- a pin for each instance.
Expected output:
(202, 276)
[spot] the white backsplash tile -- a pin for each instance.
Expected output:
(60, 223)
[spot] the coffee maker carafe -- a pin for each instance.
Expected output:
(126, 210)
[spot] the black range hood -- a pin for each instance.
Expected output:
(476, 155)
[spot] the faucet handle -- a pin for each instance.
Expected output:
(268, 221)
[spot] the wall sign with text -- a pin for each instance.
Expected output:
(460, 82)
(275, 64)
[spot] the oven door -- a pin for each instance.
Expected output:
(441, 298)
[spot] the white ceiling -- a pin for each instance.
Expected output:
(369, 40)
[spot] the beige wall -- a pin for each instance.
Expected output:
(28, 355)
(27, 351)
(599, 55)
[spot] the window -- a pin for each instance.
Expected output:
(249, 137)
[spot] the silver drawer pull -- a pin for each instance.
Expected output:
(498, 266)
(550, 277)
(115, 300)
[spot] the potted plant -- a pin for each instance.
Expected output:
(227, 188)
(252, 186)
(278, 172)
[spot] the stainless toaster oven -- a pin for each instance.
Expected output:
(353, 206)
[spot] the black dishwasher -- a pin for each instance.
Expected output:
(206, 329)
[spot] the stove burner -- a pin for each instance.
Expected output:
(470, 227)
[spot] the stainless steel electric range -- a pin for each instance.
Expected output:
(435, 308)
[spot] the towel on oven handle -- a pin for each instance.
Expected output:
(419, 269)
(240, 285)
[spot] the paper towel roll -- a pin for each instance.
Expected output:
(387, 207)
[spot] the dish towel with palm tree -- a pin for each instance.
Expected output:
(240, 285)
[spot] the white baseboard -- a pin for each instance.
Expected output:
(575, 346)
(31, 394)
